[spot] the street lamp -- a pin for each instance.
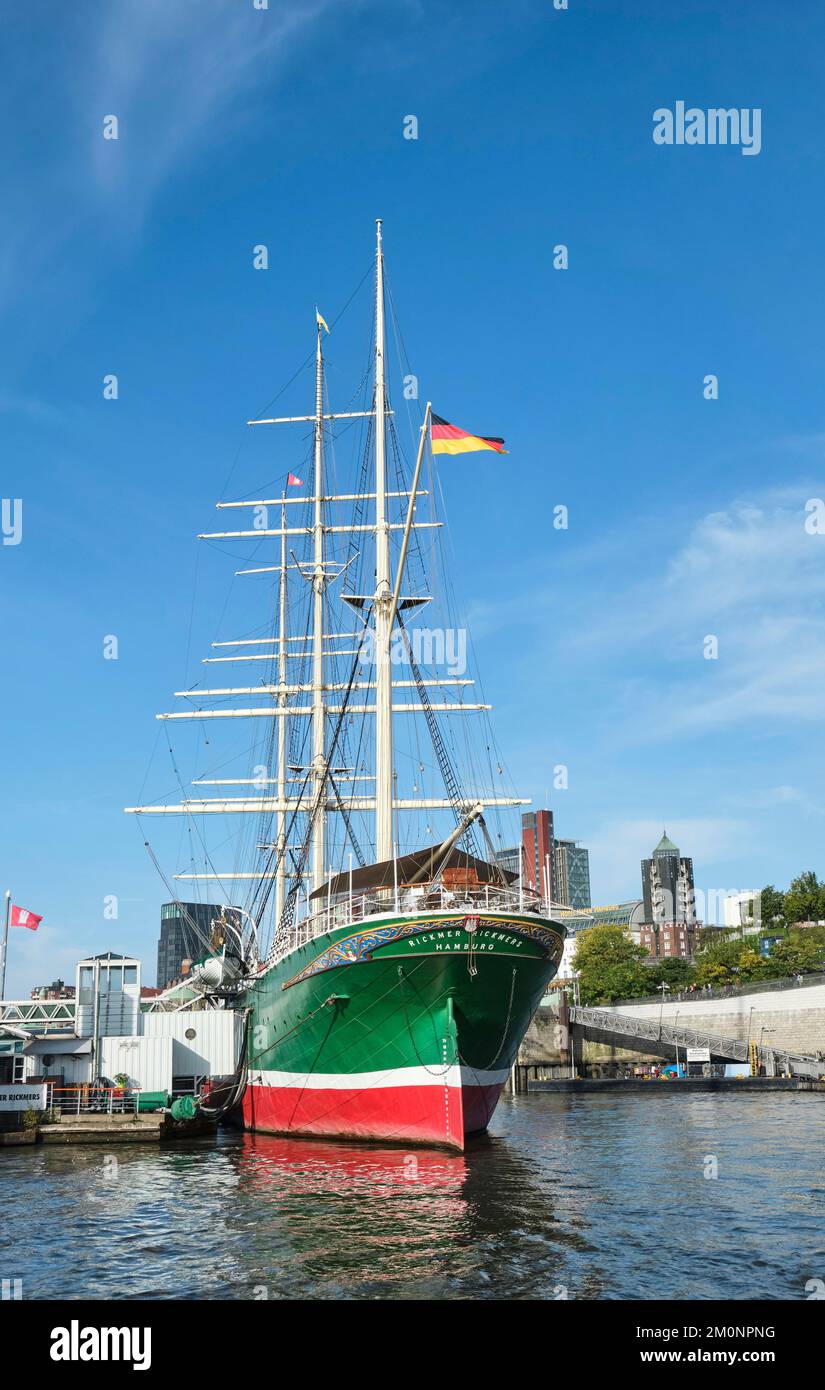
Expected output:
(665, 988)
(763, 1030)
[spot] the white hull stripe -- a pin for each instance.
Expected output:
(367, 1080)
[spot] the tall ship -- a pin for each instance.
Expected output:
(384, 954)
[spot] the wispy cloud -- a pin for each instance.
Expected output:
(174, 74)
(750, 575)
(179, 78)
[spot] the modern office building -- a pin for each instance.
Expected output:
(185, 929)
(669, 926)
(558, 869)
(571, 874)
(537, 838)
(508, 859)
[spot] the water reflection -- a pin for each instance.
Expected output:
(603, 1197)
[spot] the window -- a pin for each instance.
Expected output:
(130, 974)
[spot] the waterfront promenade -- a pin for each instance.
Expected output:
(781, 1017)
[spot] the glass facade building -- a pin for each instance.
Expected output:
(572, 874)
(184, 932)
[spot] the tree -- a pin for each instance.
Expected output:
(770, 907)
(802, 953)
(712, 972)
(752, 966)
(674, 971)
(609, 965)
(805, 899)
(727, 960)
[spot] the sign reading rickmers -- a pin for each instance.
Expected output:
(22, 1098)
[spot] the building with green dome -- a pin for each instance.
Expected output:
(669, 925)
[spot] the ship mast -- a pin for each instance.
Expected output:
(280, 879)
(383, 590)
(282, 700)
(318, 767)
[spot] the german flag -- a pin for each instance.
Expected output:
(449, 439)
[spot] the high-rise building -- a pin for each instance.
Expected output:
(185, 929)
(537, 840)
(571, 874)
(669, 927)
(558, 869)
(508, 859)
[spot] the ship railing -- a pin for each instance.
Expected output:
(87, 1099)
(345, 910)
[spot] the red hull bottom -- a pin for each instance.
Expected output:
(414, 1114)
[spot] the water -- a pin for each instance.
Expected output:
(604, 1197)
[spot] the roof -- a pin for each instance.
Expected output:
(384, 874)
(666, 846)
(618, 914)
(60, 1047)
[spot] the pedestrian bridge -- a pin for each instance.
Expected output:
(660, 1038)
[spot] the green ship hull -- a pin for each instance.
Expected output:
(401, 1029)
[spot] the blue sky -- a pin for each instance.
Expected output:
(686, 516)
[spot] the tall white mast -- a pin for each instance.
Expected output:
(280, 877)
(383, 591)
(318, 585)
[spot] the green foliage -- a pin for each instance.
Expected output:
(771, 907)
(609, 965)
(709, 971)
(752, 966)
(801, 953)
(31, 1118)
(805, 899)
(673, 971)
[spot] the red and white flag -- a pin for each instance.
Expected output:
(292, 481)
(21, 917)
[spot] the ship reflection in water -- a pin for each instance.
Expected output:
(598, 1198)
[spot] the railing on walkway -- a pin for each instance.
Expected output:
(718, 1044)
(349, 909)
(699, 995)
(91, 1100)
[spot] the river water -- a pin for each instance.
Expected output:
(597, 1197)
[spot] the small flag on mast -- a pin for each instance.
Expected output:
(449, 439)
(293, 481)
(21, 917)
(321, 321)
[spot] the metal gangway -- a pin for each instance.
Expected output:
(39, 1015)
(662, 1039)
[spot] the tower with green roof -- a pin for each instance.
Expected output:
(668, 895)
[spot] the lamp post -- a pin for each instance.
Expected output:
(665, 988)
(763, 1030)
